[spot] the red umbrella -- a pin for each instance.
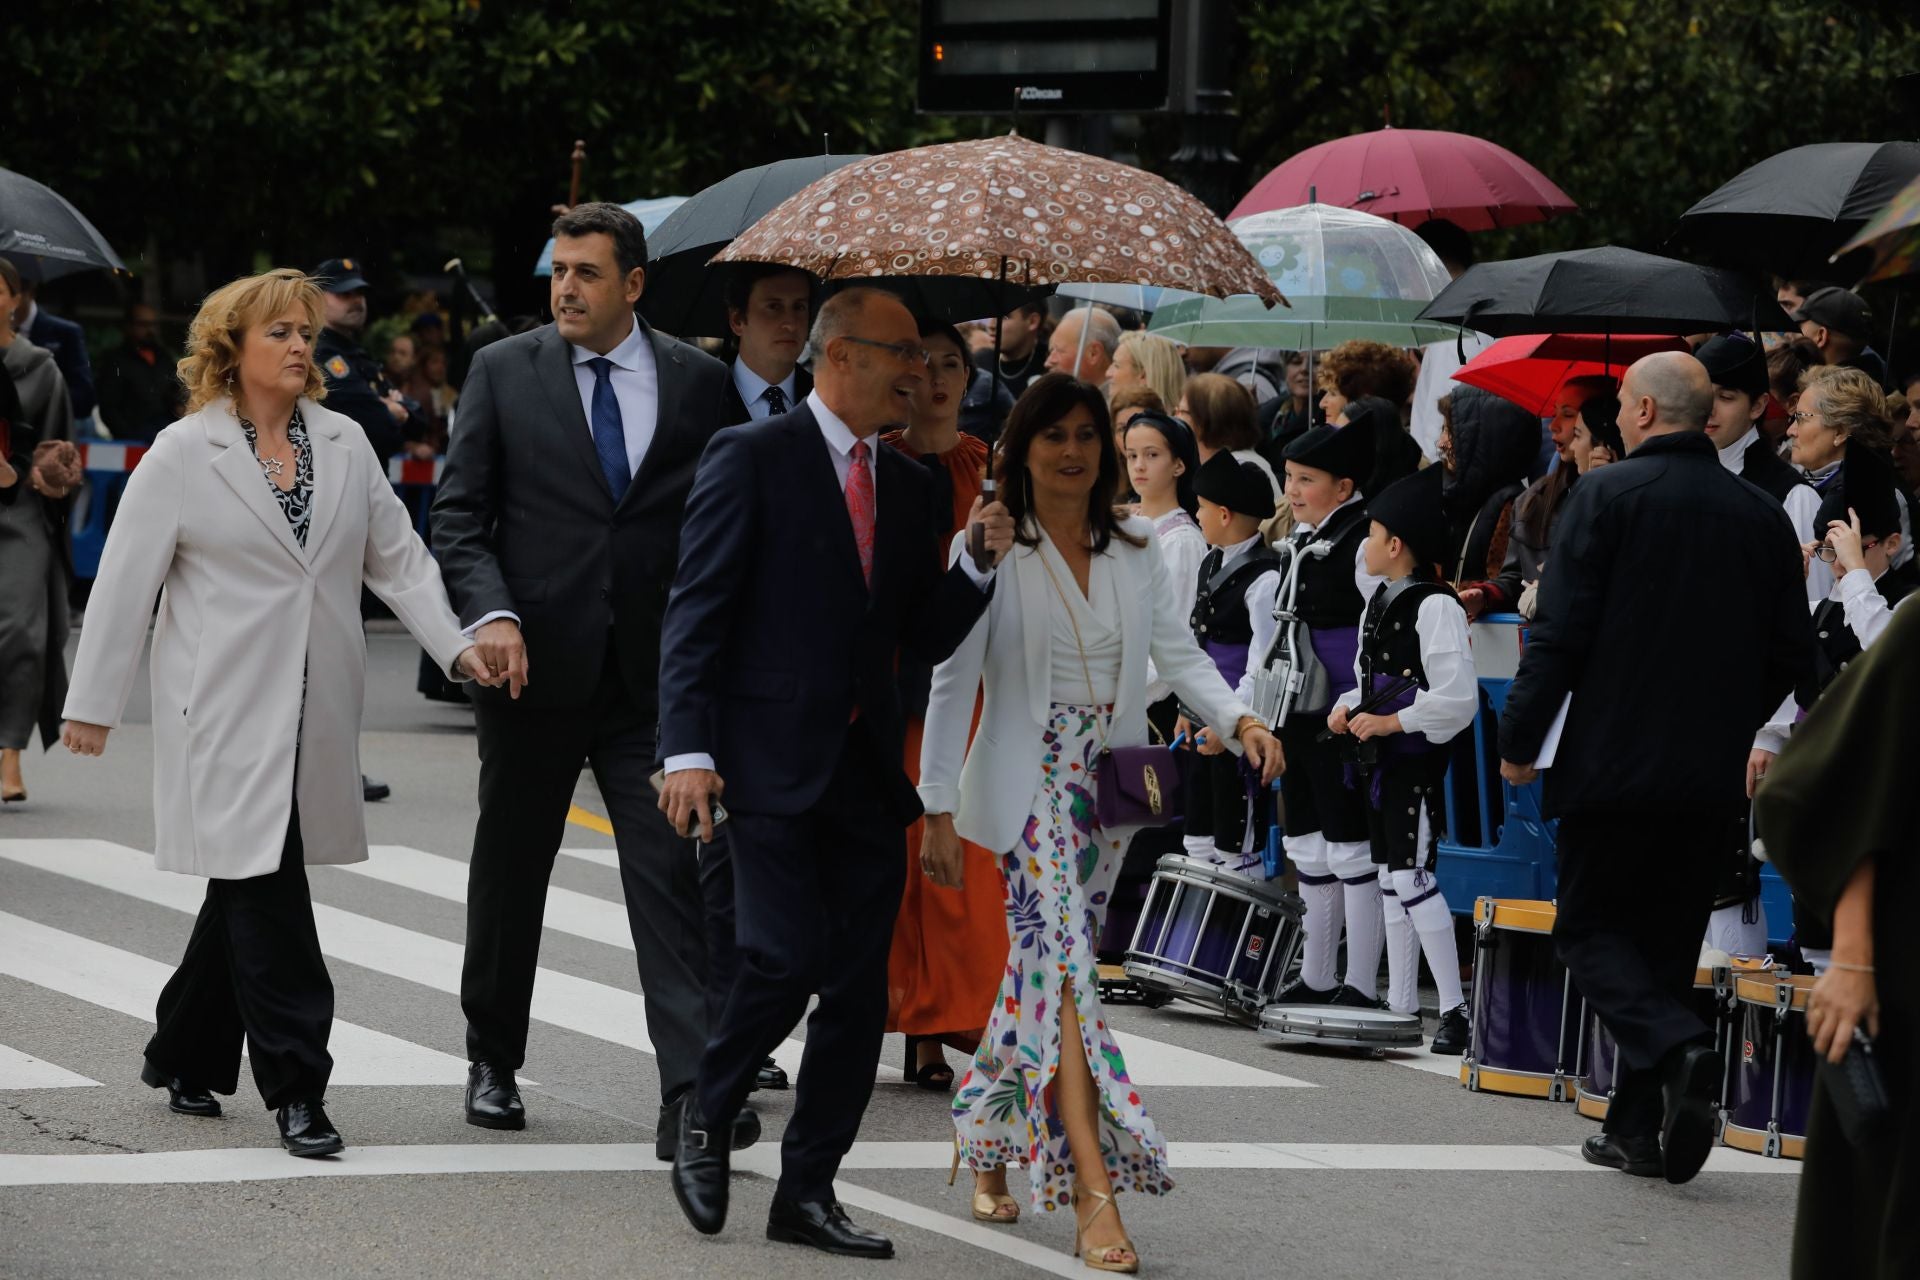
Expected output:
(1411, 175)
(1530, 368)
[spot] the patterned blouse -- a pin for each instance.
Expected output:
(296, 503)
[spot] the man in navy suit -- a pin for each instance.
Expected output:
(809, 557)
(67, 342)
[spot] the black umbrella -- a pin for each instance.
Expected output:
(44, 236)
(683, 296)
(1792, 210)
(1604, 290)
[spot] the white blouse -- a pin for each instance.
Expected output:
(1183, 547)
(1078, 624)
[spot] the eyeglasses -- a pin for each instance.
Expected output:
(901, 350)
(1826, 552)
(1799, 416)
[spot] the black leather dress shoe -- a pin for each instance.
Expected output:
(306, 1131)
(493, 1099)
(1686, 1135)
(187, 1099)
(1454, 1033)
(1298, 992)
(1347, 997)
(666, 1134)
(373, 790)
(1637, 1156)
(700, 1167)
(824, 1225)
(771, 1076)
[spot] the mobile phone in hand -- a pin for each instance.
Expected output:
(659, 781)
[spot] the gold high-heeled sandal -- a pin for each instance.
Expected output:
(986, 1205)
(1098, 1258)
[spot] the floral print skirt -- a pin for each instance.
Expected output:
(1056, 880)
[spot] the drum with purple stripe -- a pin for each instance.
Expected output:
(1597, 1049)
(1526, 1014)
(1214, 938)
(1770, 1089)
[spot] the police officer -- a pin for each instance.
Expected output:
(356, 386)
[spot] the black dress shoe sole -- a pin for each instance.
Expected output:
(1688, 1137)
(768, 1080)
(496, 1122)
(309, 1151)
(790, 1235)
(1624, 1166)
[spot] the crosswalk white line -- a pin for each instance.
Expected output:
(599, 857)
(129, 984)
(24, 1071)
(559, 999)
(269, 1163)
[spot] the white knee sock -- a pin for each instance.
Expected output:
(1366, 922)
(1321, 893)
(1426, 907)
(1403, 951)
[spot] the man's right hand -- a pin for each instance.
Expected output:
(1759, 761)
(687, 799)
(395, 406)
(504, 653)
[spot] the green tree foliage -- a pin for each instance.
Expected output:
(1636, 108)
(268, 124)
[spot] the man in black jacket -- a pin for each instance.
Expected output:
(557, 525)
(1672, 620)
(356, 384)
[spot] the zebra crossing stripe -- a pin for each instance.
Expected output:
(129, 984)
(24, 1071)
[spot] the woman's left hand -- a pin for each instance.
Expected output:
(469, 662)
(84, 739)
(1844, 537)
(1263, 750)
(1840, 1001)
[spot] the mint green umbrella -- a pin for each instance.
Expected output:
(1347, 275)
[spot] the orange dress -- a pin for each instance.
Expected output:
(949, 946)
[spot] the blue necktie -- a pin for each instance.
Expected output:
(609, 438)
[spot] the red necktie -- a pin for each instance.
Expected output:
(860, 507)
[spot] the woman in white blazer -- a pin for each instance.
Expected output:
(256, 518)
(1078, 608)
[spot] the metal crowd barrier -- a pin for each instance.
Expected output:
(108, 466)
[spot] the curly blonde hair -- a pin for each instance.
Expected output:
(1362, 368)
(1852, 403)
(214, 337)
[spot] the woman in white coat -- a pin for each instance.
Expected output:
(256, 518)
(1079, 607)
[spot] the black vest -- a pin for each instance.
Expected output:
(1389, 637)
(1835, 645)
(1327, 595)
(1220, 607)
(1764, 468)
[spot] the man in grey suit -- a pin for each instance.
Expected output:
(557, 525)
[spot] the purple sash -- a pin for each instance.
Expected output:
(1397, 745)
(1335, 647)
(1230, 658)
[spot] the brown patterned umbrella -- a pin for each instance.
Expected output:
(1003, 209)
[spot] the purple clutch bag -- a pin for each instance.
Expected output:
(1138, 787)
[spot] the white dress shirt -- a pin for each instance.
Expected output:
(1867, 614)
(1184, 548)
(753, 390)
(840, 440)
(1452, 696)
(636, 386)
(1264, 594)
(1084, 647)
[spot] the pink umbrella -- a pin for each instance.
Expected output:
(1530, 368)
(1411, 175)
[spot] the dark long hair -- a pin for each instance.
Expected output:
(1180, 443)
(1047, 400)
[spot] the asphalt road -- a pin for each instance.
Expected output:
(1288, 1161)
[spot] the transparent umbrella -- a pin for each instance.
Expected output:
(1347, 274)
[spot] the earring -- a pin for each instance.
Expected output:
(229, 377)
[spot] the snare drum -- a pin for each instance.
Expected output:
(1348, 1028)
(1597, 1049)
(1215, 938)
(1526, 1015)
(1771, 1086)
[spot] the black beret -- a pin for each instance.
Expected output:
(1866, 484)
(1336, 450)
(1736, 361)
(1410, 509)
(1240, 487)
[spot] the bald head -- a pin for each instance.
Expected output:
(1665, 392)
(859, 368)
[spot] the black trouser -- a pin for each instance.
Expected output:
(530, 760)
(1218, 807)
(815, 897)
(252, 971)
(723, 947)
(1635, 894)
